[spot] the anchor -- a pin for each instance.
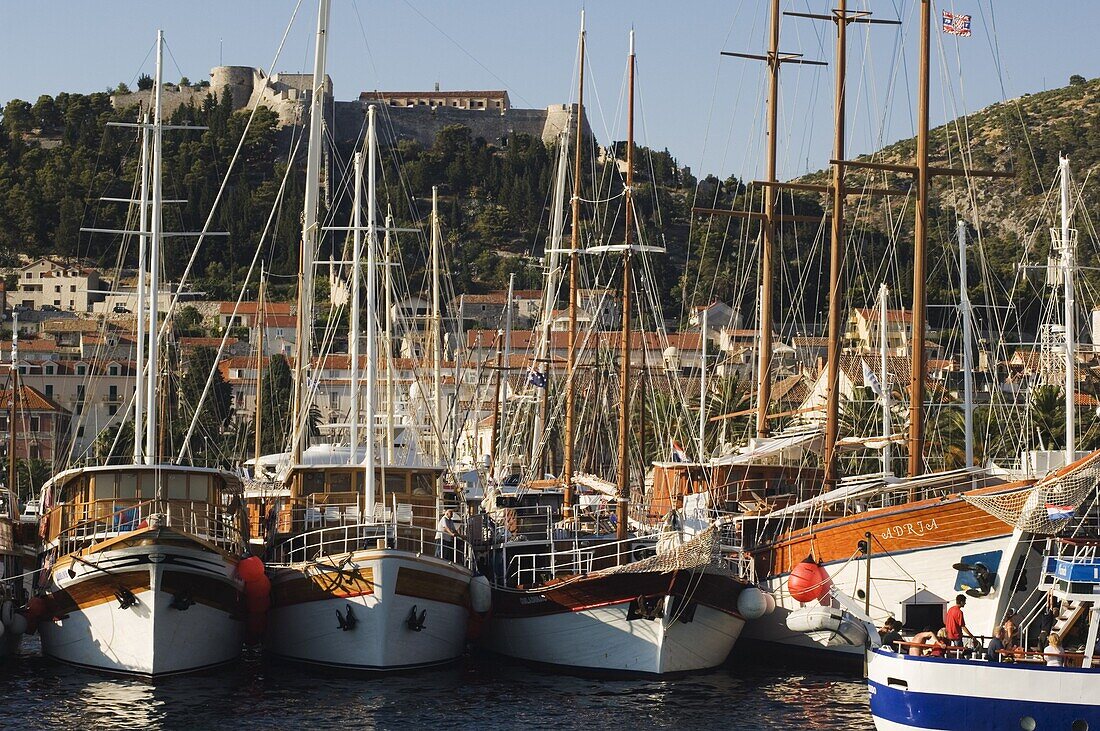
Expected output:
(126, 598)
(347, 621)
(181, 601)
(414, 622)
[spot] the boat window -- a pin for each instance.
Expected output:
(423, 483)
(199, 487)
(127, 485)
(104, 487)
(395, 483)
(312, 482)
(339, 482)
(175, 486)
(147, 485)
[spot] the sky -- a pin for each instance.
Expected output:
(707, 110)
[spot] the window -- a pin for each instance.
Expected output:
(81, 370)
(36, 424)
(34, 452)
(3, 422)
(49, 390)
(56, 288)
(80, 432)
(334, 400)
(423, 484)
(127, 485)
(395, 483)
(72, 288)
(80, 392)
(199, 488)
(49, 371)
(112, 371)
(104, 487)
(175, 486)
(112, 410)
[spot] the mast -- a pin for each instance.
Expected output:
(884, 384)
(387, 284)
(257, 424)
(920, 246)
(353, 319)
(437, 334)
(507, 357)
(370, 488)
(764, 386)
(836, 244)
(552, 275)
(496, 416)
(143, 243)
(574, 277)
(624, 356)
(309, 236)
(967, 352)
(13, 409)
(1069, 241)
(151, 453)
(702, 387)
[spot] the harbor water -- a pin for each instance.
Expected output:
(476, 693)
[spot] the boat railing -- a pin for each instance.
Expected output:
(528, 523)
(579, 558)
(342, 539)
(105, 519)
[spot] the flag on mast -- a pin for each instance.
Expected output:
(956, 24)
(678, 453)
(870, 379)
(536, 378)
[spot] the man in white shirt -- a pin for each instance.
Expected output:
(445, 533)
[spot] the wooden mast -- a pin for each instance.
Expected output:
(842, 18)
(624, 346)
(574, 283)
(763, 385)
(258, 420)
(920, 249)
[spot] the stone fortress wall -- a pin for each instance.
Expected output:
(288, 96)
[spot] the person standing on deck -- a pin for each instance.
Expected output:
(445, 533)
(955, 622)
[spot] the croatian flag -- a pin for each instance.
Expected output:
(870, 379)
(536, 378)
(1059, 512)
(678, 453)
(956, 24)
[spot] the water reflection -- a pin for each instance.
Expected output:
(483, 693)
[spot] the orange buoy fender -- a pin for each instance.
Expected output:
(257, 597)
(808, 581)
(36, 609)
(250, 569)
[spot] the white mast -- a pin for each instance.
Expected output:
(507, 360)
(967, 353)
(1069, 240)
(143, 242)
(437, 335)
(703, 386)
(353, 316)
(309, 235)
(387, 284)
(884, 384)
(372, 299)
(154, 266)
(553, 274)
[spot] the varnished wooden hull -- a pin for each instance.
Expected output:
(913, 548)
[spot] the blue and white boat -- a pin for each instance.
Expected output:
(957, 693)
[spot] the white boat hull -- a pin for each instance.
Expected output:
(606, 639)
(309, 618)
(87, 625)
(966, 695)
(921, 576)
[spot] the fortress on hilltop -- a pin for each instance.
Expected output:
(414, 115)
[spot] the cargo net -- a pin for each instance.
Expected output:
(702, 552)
(1048, 507)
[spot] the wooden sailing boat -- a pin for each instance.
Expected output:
(903, 553)
(625, 603)
(139, 561)
(359, 577)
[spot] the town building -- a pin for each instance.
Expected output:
(53, 285)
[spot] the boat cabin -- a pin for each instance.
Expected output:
(87, 504)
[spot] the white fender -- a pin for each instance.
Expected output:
(752, 603)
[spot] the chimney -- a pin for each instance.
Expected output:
(437, 86)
